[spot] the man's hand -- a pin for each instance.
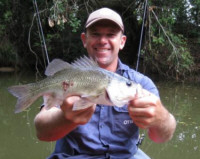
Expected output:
(79, 117)
(53, 124)
(147, 112)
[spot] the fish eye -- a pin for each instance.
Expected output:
(128, 83)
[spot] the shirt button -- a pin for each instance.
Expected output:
(107, 155)
(101, 126)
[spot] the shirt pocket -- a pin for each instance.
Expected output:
(123, 124)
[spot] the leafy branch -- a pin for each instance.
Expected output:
(167, 49)
(62, 12)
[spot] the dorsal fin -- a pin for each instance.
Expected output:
(55, 66)
(85, 62)
(58, 65)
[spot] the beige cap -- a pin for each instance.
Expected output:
(104, 13)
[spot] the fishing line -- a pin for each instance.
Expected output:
(41, 30)
(141, 34)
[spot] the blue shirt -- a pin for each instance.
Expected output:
(110, 133)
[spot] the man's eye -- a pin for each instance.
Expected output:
(128, 83)
(95, 35)
(111, 35)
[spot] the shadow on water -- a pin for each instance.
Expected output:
(18, 140)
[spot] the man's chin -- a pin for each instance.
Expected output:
(102, 61)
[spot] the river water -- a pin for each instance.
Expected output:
(17, 133)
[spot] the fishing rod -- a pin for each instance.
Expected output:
(141, 34)
(142, 136)
(40, 29)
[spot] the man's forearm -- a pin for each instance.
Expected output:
(51, 124)
(164, 131)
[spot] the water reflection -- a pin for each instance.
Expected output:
(17, 134)
(183, 101)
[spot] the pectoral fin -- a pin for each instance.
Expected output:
(83, 103)
(52, 99)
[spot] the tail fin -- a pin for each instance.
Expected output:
(25, 96)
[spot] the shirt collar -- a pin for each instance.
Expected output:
(121, 67)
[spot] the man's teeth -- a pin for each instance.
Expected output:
(102, 49)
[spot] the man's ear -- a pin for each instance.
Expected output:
(122, 43)
(83, 38)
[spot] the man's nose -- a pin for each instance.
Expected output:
(103, 39)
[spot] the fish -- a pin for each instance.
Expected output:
(83, 78)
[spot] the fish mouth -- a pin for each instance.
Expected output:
(108, 97)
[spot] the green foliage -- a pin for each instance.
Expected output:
(74, 22)
(8, 54)
(7, 49)
(64, 11)
(167, 50)
(5, 18)
(195, 11)
(158, 40)
(167, 47)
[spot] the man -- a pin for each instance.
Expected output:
(104, 131)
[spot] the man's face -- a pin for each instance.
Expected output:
(103, 40)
